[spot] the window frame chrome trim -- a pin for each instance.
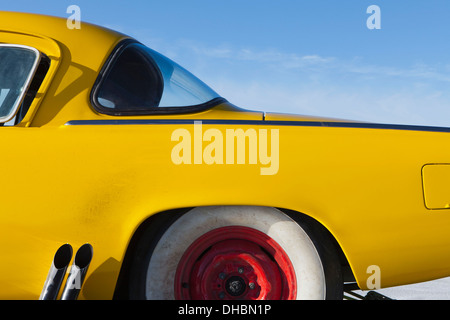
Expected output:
(28, 81)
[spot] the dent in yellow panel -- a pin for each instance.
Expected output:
(436, 186)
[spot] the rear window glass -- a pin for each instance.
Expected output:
(140, 79)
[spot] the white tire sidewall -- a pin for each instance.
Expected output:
(195, 223)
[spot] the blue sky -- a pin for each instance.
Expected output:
(313, 57)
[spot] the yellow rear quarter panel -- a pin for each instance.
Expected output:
(96, 184)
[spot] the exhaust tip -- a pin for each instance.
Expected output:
(63, 256)
(84, 256)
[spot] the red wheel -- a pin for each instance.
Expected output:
(235, 263)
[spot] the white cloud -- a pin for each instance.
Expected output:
(285, 60)
(312, 62)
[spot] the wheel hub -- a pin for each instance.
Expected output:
(235, 263)
(235, 286)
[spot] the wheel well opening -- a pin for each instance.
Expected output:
(159, 222)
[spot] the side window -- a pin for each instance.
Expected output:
(142, 81)
(18, 64)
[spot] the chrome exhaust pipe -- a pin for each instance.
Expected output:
(77, 272)
(56, 273)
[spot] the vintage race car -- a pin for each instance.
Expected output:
(122, 169)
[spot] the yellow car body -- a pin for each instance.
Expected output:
(74, 175)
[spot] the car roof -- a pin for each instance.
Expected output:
(57, 29)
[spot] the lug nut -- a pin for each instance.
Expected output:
(241, 270)
(251, 285)
(222, 275)
(222, 295)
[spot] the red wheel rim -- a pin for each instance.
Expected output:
(235, 263)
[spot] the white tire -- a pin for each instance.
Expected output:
(164, 260)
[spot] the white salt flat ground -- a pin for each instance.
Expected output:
(432, 290)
